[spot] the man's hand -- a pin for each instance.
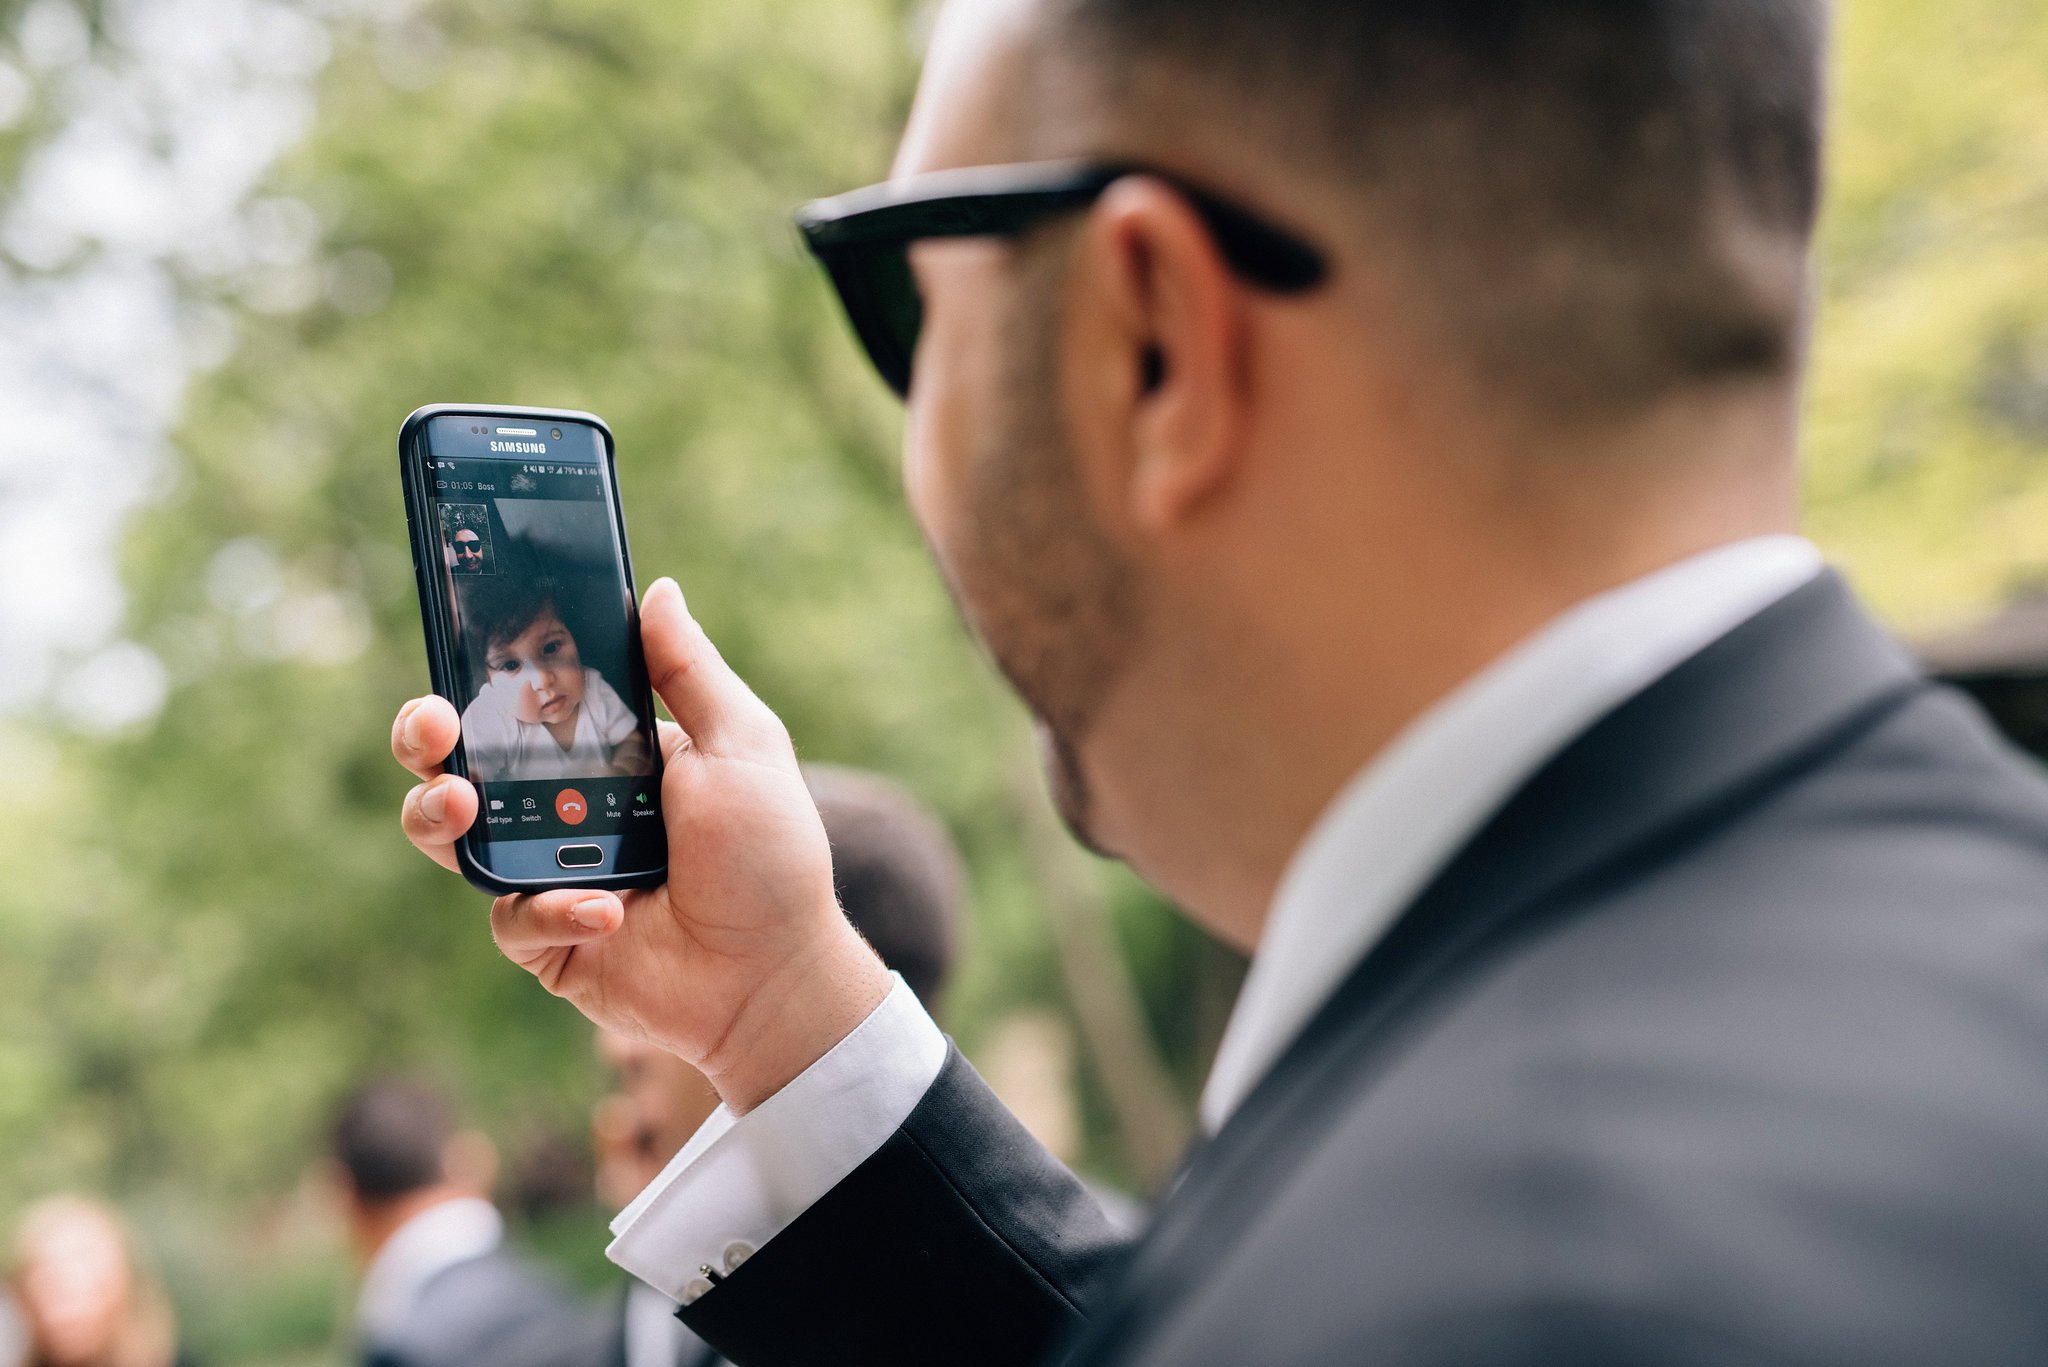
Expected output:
(742, 964)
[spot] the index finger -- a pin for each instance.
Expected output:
(424, 734)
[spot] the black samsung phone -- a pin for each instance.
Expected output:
(533, 632)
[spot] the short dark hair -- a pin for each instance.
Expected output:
(496, 609)
(1601, 195)
(897, 873)
(390, 1136)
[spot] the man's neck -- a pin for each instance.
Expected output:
(1328, 631)
(376, 1222)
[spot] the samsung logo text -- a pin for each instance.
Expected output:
(524, 448)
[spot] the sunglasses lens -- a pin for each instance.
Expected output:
(880, 293)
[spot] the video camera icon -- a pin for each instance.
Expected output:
(571, 807)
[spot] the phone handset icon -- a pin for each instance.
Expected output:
(570, 806)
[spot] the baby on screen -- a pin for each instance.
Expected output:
(540, 714)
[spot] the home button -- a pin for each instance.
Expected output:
(579, 856)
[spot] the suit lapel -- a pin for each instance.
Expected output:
(1692, 751)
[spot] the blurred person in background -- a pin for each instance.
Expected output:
(1365, 434)
(81, 1298)
(439, 1289)
(902, 885)
(13, 1331)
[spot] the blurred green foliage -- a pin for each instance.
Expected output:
(1927, 442)
(584, 203)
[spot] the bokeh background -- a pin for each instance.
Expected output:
(241, 239)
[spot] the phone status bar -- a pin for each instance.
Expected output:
(459, 480)
(574, 471)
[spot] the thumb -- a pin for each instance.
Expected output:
(711, 703)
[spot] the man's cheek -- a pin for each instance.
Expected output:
(936, 447)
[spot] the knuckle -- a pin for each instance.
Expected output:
(768, 728)
(505, 918)
(675, 674)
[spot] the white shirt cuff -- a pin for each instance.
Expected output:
(741, 1180)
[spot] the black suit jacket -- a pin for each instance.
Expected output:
(607, 1346)
(1724, 1041)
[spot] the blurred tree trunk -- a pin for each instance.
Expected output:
(1119, 1043)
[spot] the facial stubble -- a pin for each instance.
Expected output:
(1038, 580)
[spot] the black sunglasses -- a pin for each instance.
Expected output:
(863, 239)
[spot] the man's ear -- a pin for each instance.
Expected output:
(1166, 362)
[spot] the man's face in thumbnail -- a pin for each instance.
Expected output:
(543, 669)
(469, 551)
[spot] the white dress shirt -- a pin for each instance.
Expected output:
(421, 1249)
(739, 1182)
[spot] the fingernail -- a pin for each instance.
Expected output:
(409, 731)
(434, 802)
(593, 914)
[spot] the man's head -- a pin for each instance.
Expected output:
(900, 881)
(469, 550)
(398, 1149)
(1557, 346)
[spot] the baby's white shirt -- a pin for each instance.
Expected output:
(504, 749)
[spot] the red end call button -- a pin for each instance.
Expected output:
(570, 806)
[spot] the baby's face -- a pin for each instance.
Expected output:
(542, 669)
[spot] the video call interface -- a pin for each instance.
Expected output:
(554, 741)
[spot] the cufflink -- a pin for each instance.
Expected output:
(736, 1252)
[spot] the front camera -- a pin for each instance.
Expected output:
(555, 432)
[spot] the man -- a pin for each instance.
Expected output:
(438, 1290)
(469, 550)
(900, 882)
(1369, 451)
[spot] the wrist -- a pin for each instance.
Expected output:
(795, 1018)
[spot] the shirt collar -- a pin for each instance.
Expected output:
(1402, 817)
(420, 1250)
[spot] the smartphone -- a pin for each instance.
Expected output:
(533, 632)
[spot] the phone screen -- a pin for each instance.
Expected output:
(557, 730)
